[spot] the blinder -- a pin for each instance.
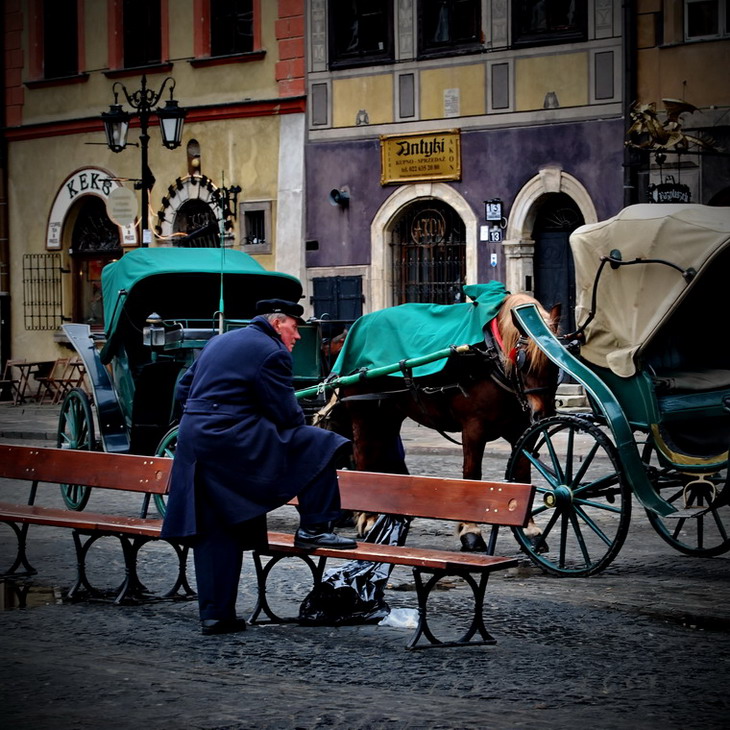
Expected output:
(518, 354)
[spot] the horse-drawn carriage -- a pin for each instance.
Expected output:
(650, 291)
(649, 352)
(650, 286)
(161, 305)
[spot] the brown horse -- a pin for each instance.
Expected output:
(492, 392)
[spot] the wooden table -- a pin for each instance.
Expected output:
(38, 369)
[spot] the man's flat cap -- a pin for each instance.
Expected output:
(280, 306)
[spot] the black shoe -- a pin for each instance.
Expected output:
(212, 626)
(314, 538)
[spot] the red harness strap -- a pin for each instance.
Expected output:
(512, 354)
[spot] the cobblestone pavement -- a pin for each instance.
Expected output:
(643, 644)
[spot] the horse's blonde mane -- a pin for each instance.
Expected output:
(536, 358)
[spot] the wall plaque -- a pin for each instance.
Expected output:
(419, 157)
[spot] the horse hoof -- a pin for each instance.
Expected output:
(538, 545)
(473, 542)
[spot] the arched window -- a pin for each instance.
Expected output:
(196, 220)
(428, 244)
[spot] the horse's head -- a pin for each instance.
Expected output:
(524, 362)
(331, 348)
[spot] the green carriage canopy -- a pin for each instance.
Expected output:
(406, 331)
(184, 284)
(633, 302)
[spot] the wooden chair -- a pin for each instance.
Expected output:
(9, 384)
(73, 377)
(52, 386)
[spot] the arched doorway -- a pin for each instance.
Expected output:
(557, 216)
(95, 241)
(428, 247)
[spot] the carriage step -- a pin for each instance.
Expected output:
(689, 512)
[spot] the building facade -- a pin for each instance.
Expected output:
(459, 141)
(235, 66)
(385, 150)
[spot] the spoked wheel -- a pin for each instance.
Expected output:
(166, 447)
(76, 431)
(697, 529)
(582, 507)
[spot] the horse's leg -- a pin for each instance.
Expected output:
(376, 447)
(473, 440)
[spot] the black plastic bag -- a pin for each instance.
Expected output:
(353, 593)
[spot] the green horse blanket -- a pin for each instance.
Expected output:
(413, 330)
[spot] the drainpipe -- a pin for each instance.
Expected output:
(4, 217)
(630, 90)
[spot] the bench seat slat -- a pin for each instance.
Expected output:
(418, 557)
(53, 517)
(132, 473)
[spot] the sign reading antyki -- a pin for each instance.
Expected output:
(418, 157)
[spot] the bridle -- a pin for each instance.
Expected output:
(513, 380)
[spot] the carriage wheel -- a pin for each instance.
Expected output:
(76, 431)
(700, 531)
(582, 507)
(166, 447)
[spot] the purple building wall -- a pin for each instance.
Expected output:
(495, 164)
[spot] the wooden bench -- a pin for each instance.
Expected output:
(494, 503)
(141, 475)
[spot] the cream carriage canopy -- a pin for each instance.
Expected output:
(632, 302)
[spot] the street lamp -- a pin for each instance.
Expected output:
(116, 126)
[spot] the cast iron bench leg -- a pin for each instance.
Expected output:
(82, 582)
(262, 575)
(181, 583)
(21, 558)
(132, 589)
(423, 590)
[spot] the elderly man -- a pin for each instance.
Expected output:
(243, 450)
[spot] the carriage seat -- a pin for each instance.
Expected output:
(189, 334)
(691, 381)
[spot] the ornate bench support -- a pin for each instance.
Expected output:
(21, 557)
(262, 575)
(423, 590)
(132, 590)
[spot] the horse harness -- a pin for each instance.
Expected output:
(495, 356)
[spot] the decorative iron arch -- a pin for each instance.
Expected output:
(191, 187)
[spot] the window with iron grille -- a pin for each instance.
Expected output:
(42, 291)
(256, 227)
(429, 255)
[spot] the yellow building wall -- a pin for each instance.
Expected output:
(564, 74)
(209, 85)
(370, 94)
(470, 82)
(245, 151)
(694, 72)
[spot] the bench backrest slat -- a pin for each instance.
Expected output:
(128, 472)
(467, 500)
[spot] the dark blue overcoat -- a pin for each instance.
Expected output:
(243, 447)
